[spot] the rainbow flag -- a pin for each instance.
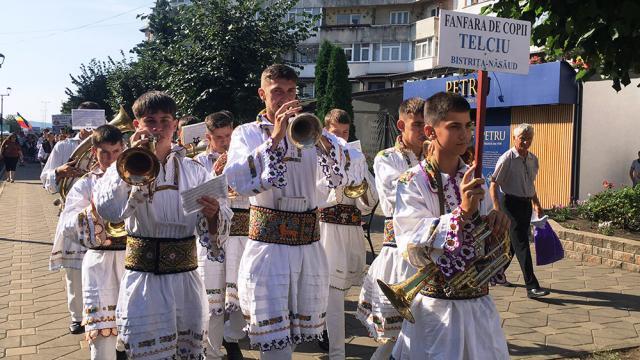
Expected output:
(22, 122)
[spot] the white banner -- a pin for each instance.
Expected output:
(488, 43)
(87, 118)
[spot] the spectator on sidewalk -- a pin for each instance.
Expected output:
(634, 172)
(45, 148)
(12, 153)
(515, 174)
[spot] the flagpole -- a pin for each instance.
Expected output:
(481, 111)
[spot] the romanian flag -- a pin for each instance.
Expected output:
(22, 122)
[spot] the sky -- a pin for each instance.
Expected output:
(44, 41)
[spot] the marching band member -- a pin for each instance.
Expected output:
(221, 275)
(283, 281)
(437, 205)
(341, 232)
(67, 254)
(374, 310)
(103, 264)
(162, 307)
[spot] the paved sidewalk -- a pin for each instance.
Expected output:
(591, 307)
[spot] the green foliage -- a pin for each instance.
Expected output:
(322, 67)
(10, 124)
(605, 35)
(91, 85)
(338, 90)
(561, 213)
(619, 206)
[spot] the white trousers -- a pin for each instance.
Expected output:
(282, 354)
(103, 348)
(232, 331)
(74, 293)
(383, 352)
(335, 324)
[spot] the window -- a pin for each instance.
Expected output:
(307, 54)
(297, 14)
(361, 52)
(424, 48)
(376, 85)
(348, 51)
(307, 90)
(390, 52)
(435, 12)
(348, 19)
(399, 17)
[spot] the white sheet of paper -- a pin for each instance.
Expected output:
(216, 187)
(355, 145)
(87, 118)
(193, 134)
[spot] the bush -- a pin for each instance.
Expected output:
(561, 213)
(619, 206)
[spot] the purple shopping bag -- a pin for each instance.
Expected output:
(548, 246)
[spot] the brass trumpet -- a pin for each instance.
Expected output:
(492, 258)
(356, 191)
(304, 130)
(139, 165)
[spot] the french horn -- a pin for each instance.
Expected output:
(494, 256)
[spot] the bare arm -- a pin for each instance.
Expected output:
(536, 204)
(493, 190)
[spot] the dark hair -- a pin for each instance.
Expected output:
(412, 106)
(440, 104)
(106, 134)
(338, 116)
(219, 120)
(153, 101)
(187, 120)
(279, 71)
(90, 105)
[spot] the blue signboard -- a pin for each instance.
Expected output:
(497, 136)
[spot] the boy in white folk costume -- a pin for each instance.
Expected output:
(103, 263)
(65, 253)
(374, 310)
(341, 232)
(162, 307)
(438, 204)
(221, 275)
(283, 281)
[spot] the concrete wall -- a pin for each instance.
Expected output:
(610, 134)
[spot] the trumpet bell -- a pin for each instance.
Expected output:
(138, 166)
(115, 230)
(356, 191)
(397, 296)
(304, 130)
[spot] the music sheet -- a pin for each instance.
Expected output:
(216, 188)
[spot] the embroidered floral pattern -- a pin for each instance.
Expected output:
(329, 165)
(276, 165)
(341, 215)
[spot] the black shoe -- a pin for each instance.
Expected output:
(233, 350)
(76, 328)
(536, 293)
(121, 355)
(324, 343)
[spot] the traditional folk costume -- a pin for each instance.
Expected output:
(220, 276)
(102, 266)
(162, 307)
(374, 309)
(65, 253)
(283, 281)
(463, 324)
(343, 240)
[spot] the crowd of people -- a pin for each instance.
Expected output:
(274, 257)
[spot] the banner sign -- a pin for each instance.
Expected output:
(59, 122)
(487, 43)
(87, 118)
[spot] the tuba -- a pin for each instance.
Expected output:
(83, 157)
(304, 130)
(494, 256)
(139, 165)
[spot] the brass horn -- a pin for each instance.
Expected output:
(139, 165)
(304, 130)
(356, 191)
(83, 157)
(477, 273)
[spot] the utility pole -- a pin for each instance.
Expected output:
(45, 103)
(2, 112)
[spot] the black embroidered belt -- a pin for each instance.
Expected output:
(240, 223)
(341, 215)
(161, 255)
(115, 244)
(436, 289)
(389, 237)
(283, 227)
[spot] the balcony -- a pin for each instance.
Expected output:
(424, 28)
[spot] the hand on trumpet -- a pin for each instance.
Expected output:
(281, 121)
(141, 137)
(472, 193)
(68, 169)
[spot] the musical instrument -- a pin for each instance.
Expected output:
(304, 130)
(356, 191)
(493, 257)
(194, 149)
(84, 158)
(139, 165)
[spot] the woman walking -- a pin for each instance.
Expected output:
(11, 152)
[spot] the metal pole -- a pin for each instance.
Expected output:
(481, 111)
(1, 118)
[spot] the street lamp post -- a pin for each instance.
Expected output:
(1, 60)
(2, 111)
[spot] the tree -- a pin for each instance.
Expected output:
(128, 80)
(91, 85)
(322, 64)
(11, 125)
(338, 89)
(603, 35)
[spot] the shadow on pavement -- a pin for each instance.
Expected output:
(596, 298)
(28, 241)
